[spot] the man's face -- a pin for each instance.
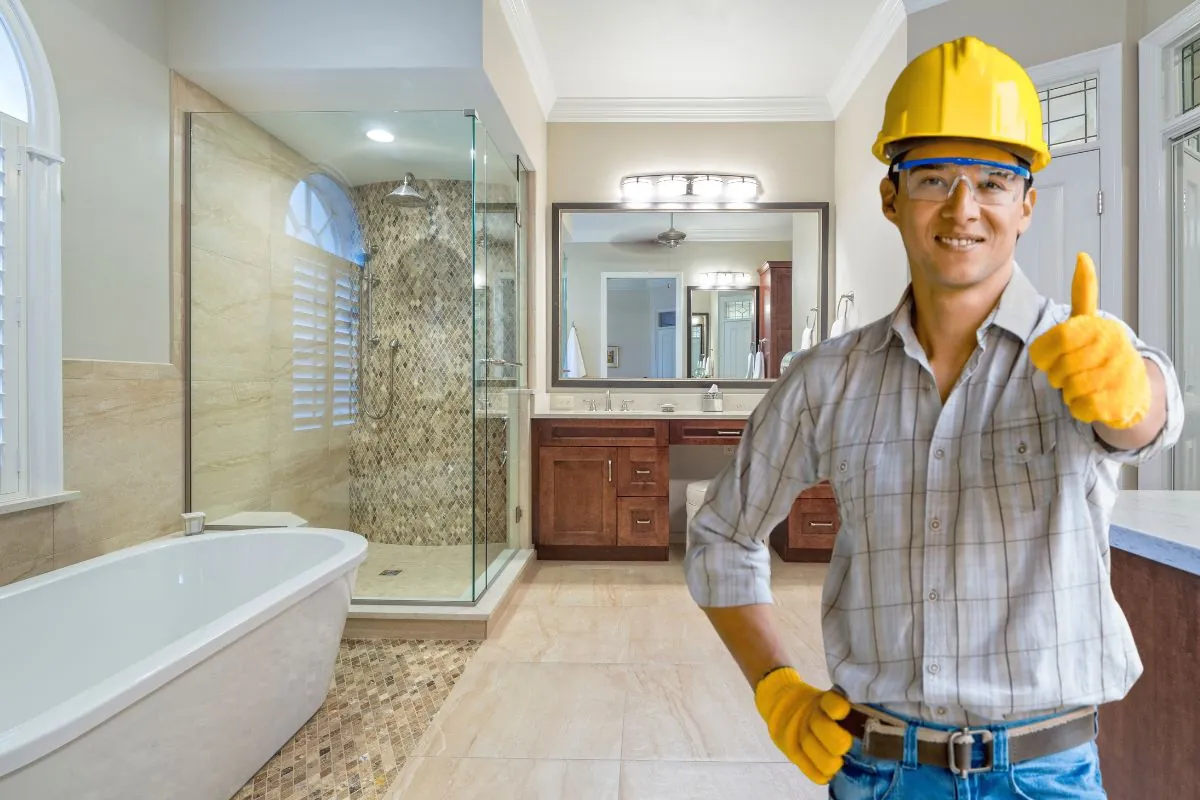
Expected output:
(958, 240)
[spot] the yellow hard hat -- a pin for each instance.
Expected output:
(965, 89)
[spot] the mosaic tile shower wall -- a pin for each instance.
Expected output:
(412, 468)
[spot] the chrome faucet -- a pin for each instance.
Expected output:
(608, 399)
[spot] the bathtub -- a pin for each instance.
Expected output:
(172, 670)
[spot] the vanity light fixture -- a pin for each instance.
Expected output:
(712, 187)
(723, 280)
(380, 135)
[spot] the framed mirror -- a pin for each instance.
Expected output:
(671, 295)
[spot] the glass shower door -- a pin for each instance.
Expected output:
(500, 364)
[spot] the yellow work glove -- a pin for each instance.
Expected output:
(1092, 360)
(802, 722)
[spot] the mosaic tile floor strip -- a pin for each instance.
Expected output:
(385, 693)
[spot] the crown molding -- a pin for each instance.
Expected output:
(696, 109)
(882, 26)
(913, 6)
(529, 45)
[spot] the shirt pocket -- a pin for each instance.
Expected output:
(1019, 463)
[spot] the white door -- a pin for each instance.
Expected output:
(735, 312)
(1066, 220)
(664, 353)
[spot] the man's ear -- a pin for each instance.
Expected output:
(1027, 211)
(887, 194)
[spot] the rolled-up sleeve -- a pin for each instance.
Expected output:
(728, 562)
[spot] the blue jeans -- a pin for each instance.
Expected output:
(1070, 775)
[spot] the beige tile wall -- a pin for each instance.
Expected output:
(247, 453)
(123, 448)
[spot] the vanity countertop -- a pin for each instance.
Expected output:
(576, 414)
(1162, 526)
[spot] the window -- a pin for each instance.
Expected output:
(1069, 113)
(12, 349)
(1189, 58)
(325, 299)
(738, 309)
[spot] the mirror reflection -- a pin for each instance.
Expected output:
(685, 295)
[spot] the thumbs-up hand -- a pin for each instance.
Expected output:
(1092, 360)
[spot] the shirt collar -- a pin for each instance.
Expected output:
(1017, 312)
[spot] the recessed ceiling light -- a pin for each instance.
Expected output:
(380, 135)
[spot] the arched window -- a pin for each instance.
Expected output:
(31, 458)
(320, 213)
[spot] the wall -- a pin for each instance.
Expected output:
(250, 452)
(114, 97)
(870, 255)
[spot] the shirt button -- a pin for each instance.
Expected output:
(935, 523)
(933, 669)
(939, 453)
(842, 466)
(933, 595)
(941, 711)
(1021, 448)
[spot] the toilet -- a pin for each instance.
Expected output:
(695, 498)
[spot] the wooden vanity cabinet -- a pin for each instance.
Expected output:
(601, 490)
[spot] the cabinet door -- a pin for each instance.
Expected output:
(643, 472)
(577, 496)
(643, 522)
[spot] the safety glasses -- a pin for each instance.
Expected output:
(991, 183)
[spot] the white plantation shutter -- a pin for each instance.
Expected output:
(345, 335)
(310, 345)
(12, 351)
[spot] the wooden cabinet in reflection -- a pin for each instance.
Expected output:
(775, 312)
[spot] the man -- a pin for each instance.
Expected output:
(973, 439)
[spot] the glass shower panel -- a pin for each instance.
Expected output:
(499, 363)
(1186, 224)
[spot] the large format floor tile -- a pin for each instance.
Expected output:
(511, 779)
(673, 780)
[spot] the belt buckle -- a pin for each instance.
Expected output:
(966, 737)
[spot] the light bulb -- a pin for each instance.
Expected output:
(672, 186)
(742, 189)
(380, 135)
(708, 186)
(637, 190)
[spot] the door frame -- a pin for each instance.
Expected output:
(679, 302)
(1159, 124)
(1103, 64)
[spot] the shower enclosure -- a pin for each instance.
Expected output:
(357, 338)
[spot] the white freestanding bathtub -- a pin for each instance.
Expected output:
(172, 670)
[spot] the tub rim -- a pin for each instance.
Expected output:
(74, 716)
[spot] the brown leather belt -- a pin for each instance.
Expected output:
(883, 737)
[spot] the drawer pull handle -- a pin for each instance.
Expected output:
(642, 521)
(729, 433)
(641, 472)
(610, 470)
(820, 524)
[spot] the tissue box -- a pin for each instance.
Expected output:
(712, 401)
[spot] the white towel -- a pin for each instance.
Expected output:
(806, 339)
(838, 327)
(759, 366)
(575, 366)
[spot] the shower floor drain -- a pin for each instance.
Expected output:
(390, 572)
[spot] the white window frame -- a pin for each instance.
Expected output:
(41, 382)
(1103, 64)
(1159, 123)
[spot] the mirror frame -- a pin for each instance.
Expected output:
(557, 212)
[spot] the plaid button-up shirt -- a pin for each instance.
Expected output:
(970, 577)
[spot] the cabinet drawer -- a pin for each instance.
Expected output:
(577, 432)
(643, 522)
(643, 472)
(707, 431)
(813, 530)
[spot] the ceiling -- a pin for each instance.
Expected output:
(682, 60)
(700, 226)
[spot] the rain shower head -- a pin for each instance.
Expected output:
(405, 195)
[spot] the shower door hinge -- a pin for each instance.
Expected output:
(518, 514)
(1100, 202)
